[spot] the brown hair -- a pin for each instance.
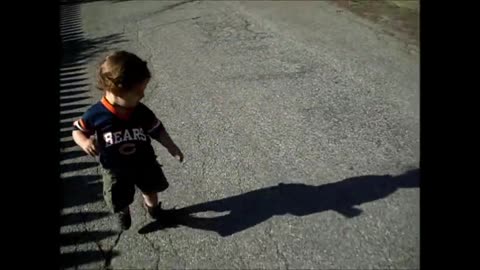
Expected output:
(120, 71)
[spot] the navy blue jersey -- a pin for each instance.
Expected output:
(123, 140)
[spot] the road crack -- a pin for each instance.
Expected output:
(108, 253)
(277, 248)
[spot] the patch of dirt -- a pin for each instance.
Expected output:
(397, 18)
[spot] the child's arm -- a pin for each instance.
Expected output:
(164, 138)
(82, 131)
(87, 144)
(157, 131)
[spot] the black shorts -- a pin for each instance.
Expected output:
(119, 184)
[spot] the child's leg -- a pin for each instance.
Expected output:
(151, 199)
(150, 181)
(119, 191)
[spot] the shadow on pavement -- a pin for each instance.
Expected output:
(251, 208)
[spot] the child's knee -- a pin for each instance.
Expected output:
(149, 194)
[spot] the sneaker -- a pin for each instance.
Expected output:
(153, 212)
(124, 220)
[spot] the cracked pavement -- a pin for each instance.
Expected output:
(299, 125)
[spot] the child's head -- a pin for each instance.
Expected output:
(123, 74)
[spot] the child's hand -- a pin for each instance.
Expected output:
(176, 153)
(89, 146)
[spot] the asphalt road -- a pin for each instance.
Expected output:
(300, 127)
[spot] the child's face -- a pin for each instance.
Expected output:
(137, 93)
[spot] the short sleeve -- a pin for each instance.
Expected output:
(153, 126)
(84, 124)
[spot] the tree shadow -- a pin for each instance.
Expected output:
(73, 78)
(73, 93)
(71, 154)
(72, 100)
(254, 207)
(73, 86)
(71, 259)
(75, 238)
(72, 71)
(77, 166)
(67, 144)
(64, 116)
(72, 107)
(79, 189)
(72, 2)
(75, 218)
